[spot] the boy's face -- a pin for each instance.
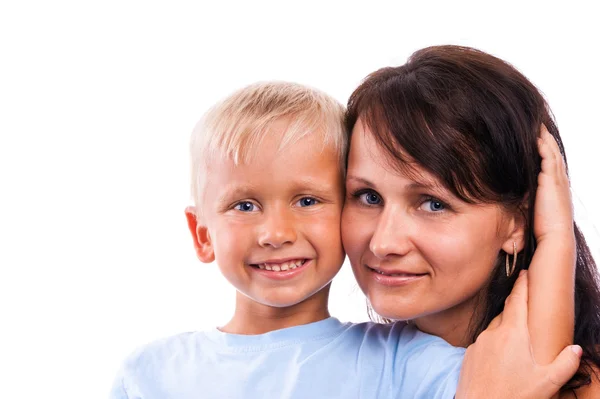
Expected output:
(273, 225)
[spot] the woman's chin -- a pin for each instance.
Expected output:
(394, 311)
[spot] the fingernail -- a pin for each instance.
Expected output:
(577, 349)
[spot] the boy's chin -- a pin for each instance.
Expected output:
(286, 301)
(288, 298)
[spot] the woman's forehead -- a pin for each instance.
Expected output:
(366, 152)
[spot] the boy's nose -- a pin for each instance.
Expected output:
(276, 232)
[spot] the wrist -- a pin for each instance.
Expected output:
(562, 238)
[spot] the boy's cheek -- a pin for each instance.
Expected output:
(328, 227)
(228, 240)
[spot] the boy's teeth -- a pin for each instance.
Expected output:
(282, 266)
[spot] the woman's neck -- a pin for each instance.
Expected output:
(453, 324)
(252, 318)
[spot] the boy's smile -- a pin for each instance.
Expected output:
(273, 224)
(281, 269)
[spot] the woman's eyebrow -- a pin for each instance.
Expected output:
(415, 185)
(360, 180)
(433, 186)
(423, 185)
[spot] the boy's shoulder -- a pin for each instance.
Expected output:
(375, 357)
(170, 348)
(149, 367)
(179, 348)
(397, 334)
(432, 363)
(176, 351)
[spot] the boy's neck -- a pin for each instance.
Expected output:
(251, 318)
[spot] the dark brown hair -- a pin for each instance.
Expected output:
(472, 120)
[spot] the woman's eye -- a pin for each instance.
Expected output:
(245, 206)
(370, 198)
(433, 205)
(307, 201)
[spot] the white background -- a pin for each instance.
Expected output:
(97, 101)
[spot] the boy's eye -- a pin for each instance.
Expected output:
(433, 205)
(307, 201)
(370, 198)
(245, 206)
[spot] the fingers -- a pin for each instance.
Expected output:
(552, 160)
(515, 307)
(563, 368)
(551, 143)
(495, 322)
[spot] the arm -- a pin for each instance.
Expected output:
(551, 273)
(500, 364)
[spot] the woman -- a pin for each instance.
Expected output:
(441, 210)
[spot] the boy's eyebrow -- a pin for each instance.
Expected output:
(301, 184)
(312, 185)
(235, 192)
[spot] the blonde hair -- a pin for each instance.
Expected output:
(234, 128)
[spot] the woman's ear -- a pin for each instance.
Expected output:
(516, 223)
(200, 235)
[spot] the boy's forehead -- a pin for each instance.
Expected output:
(302, 162)
(274, 146)
(302, 165)
(283, 136)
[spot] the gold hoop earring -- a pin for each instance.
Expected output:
(511, 269)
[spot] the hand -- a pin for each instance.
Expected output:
(553, 213)
(500, 364)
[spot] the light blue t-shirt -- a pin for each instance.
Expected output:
(326, 359)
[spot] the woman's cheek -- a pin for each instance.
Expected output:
(355, 234)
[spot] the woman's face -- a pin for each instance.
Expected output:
(417, 251)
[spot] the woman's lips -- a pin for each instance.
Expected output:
(394, 277)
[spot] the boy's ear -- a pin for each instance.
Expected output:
(516, 231)
(202, 242)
